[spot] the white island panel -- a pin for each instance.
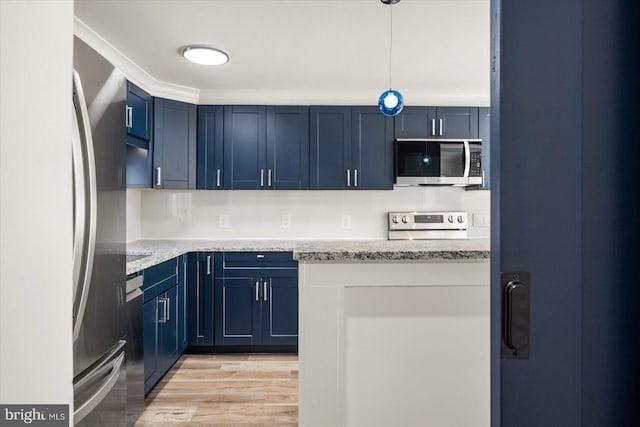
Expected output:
(394, 343)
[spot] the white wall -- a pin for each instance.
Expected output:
(134, 207)
(35, 202)
(314, 214)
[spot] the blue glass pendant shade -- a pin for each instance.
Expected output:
(391, 102)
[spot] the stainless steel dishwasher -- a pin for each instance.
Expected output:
(135, 361)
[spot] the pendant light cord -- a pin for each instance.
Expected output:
(390, 43)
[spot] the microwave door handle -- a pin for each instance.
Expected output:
(467, 159)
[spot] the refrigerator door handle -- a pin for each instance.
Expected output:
(114, 367)
(90, 178)
(79, 204)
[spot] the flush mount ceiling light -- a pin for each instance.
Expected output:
(391, 101)
(205, 55)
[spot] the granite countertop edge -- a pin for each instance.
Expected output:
(313, 250)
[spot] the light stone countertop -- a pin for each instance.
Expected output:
(314, 250)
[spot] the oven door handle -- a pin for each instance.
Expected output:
(467, 159)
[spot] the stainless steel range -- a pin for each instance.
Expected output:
(428, 225)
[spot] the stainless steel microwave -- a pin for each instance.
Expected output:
(421, 161)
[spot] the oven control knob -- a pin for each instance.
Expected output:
(450, 219)
(405, 219)
(460, 219)
(394, 219)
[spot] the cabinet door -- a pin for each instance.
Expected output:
(200, 300)
(150, 343)
(457, 122)
(416, 122)
(245, 147)
(182, 302)
(484, 133)
(288, 148)
(210, 172)
(371, 149)
(140, 105)
(330, 142)
(237, 311)
(168, 346)
(174, 148)
(280, 311)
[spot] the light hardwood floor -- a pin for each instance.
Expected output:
(206, 390)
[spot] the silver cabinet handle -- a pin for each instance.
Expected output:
(265, 290)
(257, 291)
(441, 127)
(158, 176)
(269, 178)
(260, 256)
(167, 309)
(129, 117)
(433, 127)
(208, 265)
(355, 177)
(218, 178)
(198, 300)
(261, 177)
(348, 177)
(163, 317)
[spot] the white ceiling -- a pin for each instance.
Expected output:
(306, 51)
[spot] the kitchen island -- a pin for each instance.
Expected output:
(394, 333)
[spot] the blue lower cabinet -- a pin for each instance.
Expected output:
(280, 311)
(256, 299)
(150, 343)
(162, 311)
(200, 299)
(237, 311)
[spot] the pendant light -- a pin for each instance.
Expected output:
(391, 101)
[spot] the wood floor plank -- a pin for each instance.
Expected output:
(227, 390)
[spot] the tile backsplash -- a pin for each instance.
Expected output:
(285, 215)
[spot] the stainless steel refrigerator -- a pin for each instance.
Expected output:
(99, 310)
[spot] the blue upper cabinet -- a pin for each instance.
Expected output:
(174, 147)
(484, 125)
(245, 148)
(440, 122)
(351, 149)
(416, 122)
(457, 122)
(330, 145)
(371, 149)
(210, 152)
(287, 166)
(138, 116)
(265, 148)
(139, 136)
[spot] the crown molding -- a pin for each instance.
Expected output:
(132, 70)
(330, 97)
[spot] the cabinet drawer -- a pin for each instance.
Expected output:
(157, 288)
(159, 272)
(261, 260)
